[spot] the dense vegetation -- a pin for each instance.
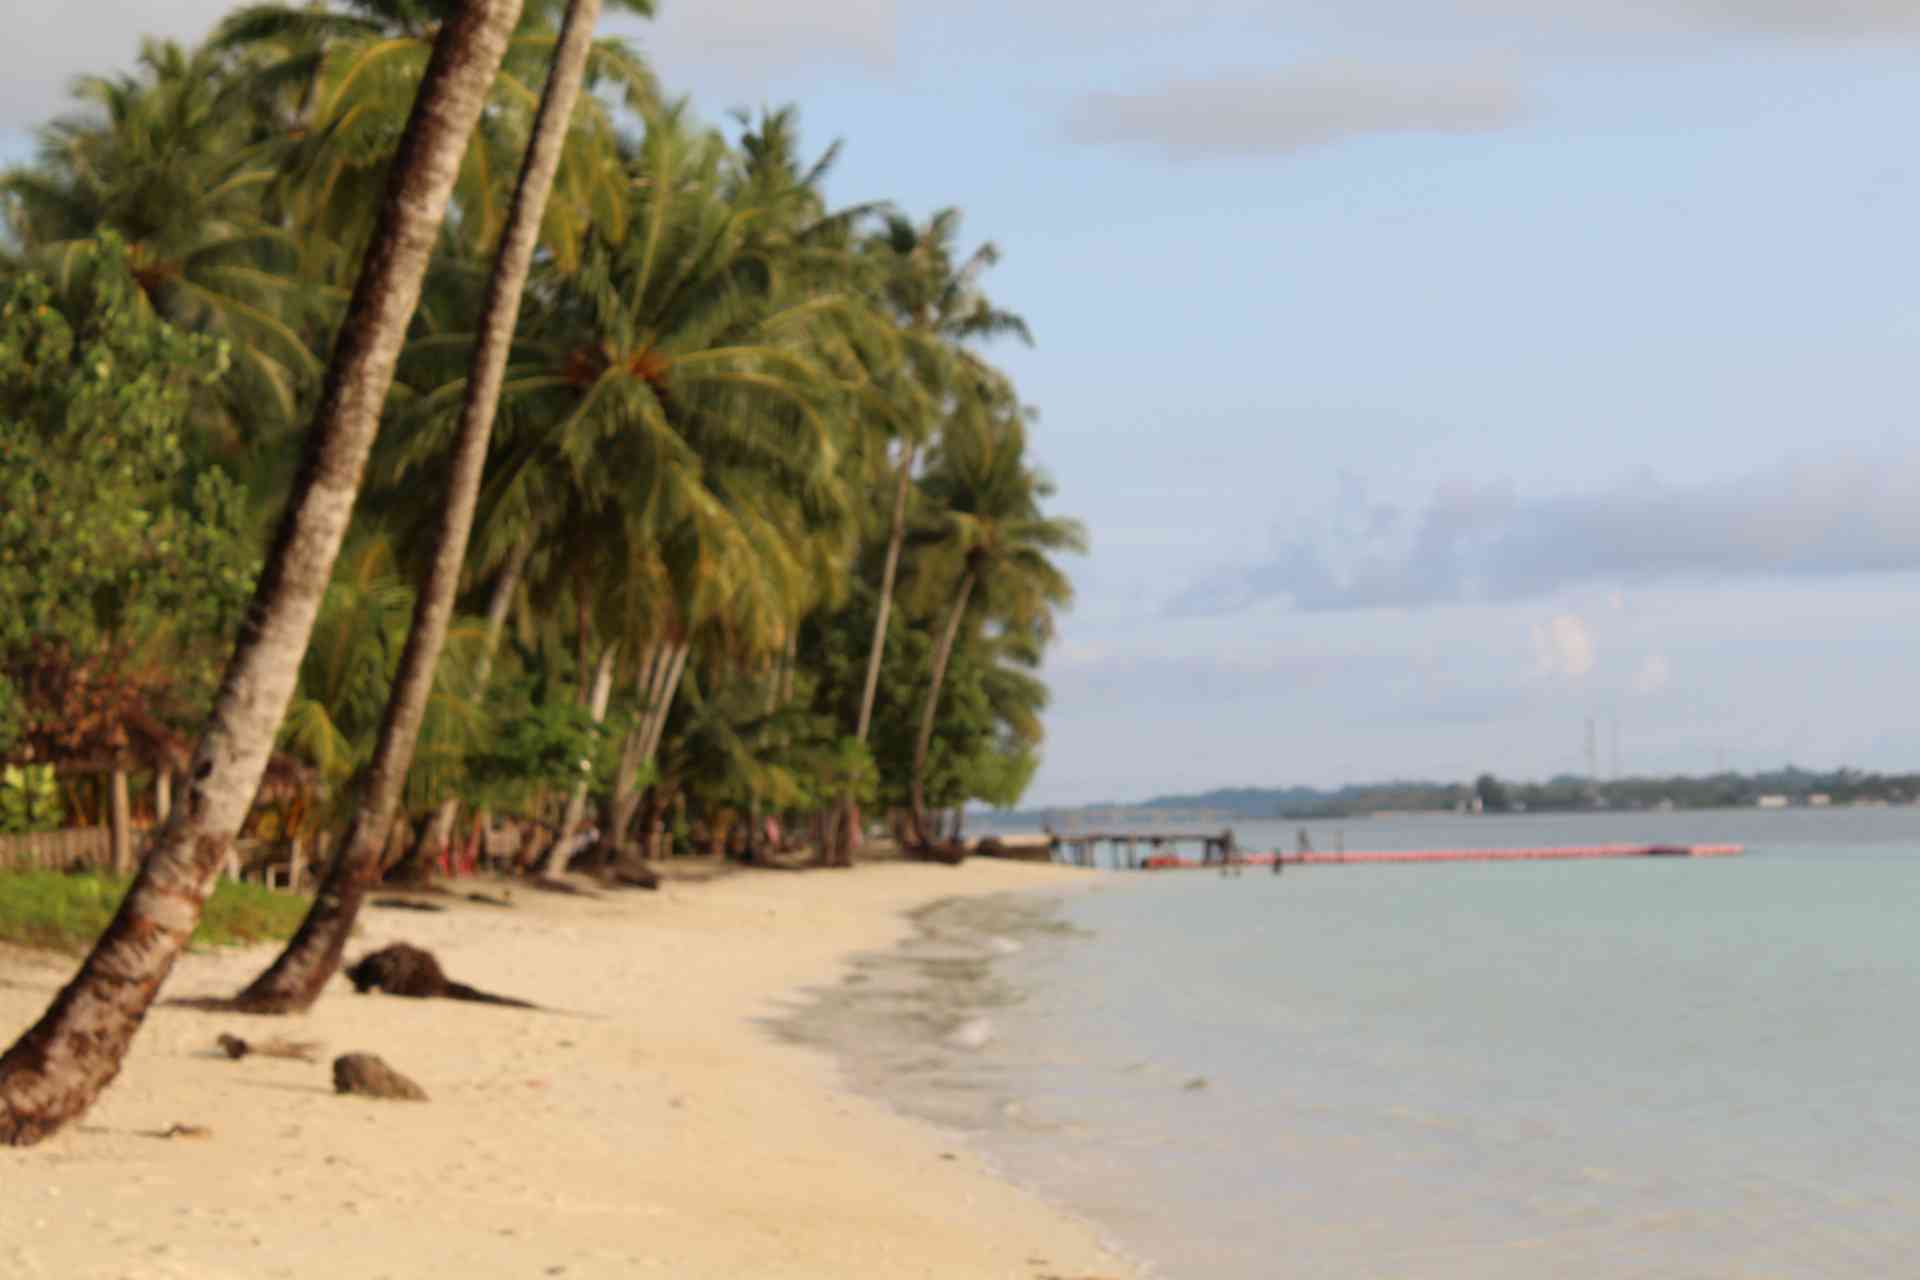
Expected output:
(759, 533)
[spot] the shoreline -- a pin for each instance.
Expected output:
(659, 1127)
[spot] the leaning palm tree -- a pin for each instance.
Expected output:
(53, 1072)
(987, 535)
(294, 980)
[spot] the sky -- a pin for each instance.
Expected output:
(1433, 376)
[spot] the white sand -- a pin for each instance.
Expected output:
(666, 1133)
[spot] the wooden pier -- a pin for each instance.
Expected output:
(1124, 848)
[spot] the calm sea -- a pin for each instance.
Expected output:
(1650, 1067)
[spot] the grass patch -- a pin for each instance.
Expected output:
(63, 912)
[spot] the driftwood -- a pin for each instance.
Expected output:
(553, 884)
(299, 1050)
(402, 970)
(369, 1077)
(950, 852)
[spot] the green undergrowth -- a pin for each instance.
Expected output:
(61, 912)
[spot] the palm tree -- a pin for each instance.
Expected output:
(349, 69)
(652, 385)
(294, 980)
(166, 158)
(935, 298)
(54, 1071)
(988, 532)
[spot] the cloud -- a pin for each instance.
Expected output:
(1273, 113)
(744, 38)
(1563, 646)
(1385, 20)
(1480, 542)
(49, 45)
(1653, 675)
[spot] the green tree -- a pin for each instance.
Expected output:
(56, 1069)
(987, 532)
(122, 558)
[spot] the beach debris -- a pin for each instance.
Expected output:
(180, 1131)
(1195, 1085)
(367, 1075)
(952, 852)
(298, 1050)
(404, 970)
(406, 904)
(635, 877)
(553, 884)
(488, 900)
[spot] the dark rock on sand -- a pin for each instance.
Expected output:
(367, 1075)
(402, 970)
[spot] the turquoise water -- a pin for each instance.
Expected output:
(1653, 1067)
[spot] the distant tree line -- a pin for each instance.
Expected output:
(1560, 794)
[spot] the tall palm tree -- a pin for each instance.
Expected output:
(349, 69)
(988, 532)
(935, 297)
(53, 1072)
(294, 980)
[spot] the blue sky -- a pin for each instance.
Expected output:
(1432, 377)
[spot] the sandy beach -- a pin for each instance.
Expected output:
(655, 1127)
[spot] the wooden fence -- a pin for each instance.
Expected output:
(57, 850)
(91, 848)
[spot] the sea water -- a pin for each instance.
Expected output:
(1644, 1067)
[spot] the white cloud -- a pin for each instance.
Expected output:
(1811, 518)
(1275, 112)
(1653, 675)
(1563, 646)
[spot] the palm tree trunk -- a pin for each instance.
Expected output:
(941, 655)
(896, 534)
(626, 796)
(838, 850)
(295, 978)
(440, 832)
(663, 701)
(577, 802)
(120, 823)
(54, 1072)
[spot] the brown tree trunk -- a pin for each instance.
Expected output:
(120, 822)
(896, 534)
(845, 832)
(295, 978)
(440, 834)
(941, 655)
(56, 1070)
(576, 809)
